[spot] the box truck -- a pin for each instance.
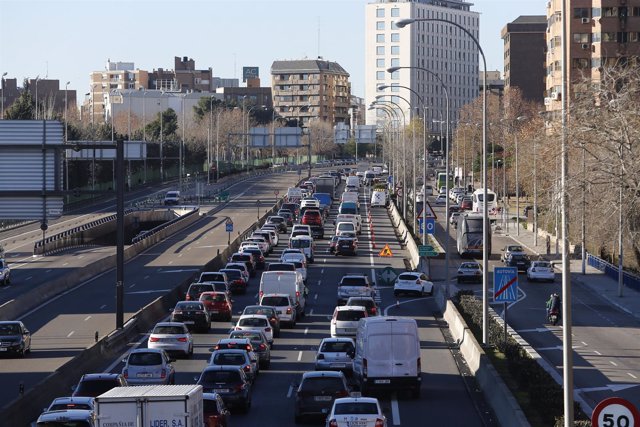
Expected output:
(150, 406)
(285, 282)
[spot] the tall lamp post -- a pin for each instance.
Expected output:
(66, 169)
(37, 80)
(209, 139)
(485, 223)
(3, 74)
(393, 116)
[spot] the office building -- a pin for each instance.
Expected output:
(439, 47)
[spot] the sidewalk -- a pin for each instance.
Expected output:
(593, 278)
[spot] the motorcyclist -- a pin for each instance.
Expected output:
(554, 303)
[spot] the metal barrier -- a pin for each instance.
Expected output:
(164, 225)
(630, 280)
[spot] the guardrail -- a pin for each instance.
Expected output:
(630, 280)
(164, 225)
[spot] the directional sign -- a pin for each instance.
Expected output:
(386, 251)
(229, 226)
(427, 250)
(388, 276)
(614, 412)
(505, 284)
(431, 225)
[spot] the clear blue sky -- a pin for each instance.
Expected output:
(66, 40)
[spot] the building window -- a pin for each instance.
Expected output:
(609, 37)
(380, 13)
(395, 50)
(380, 75)
(595, 62)
(380, 25)
(380, 50)
(581, 37)
(581, 12)
(395, 37)
(380, 63)
(595, 12)
(395, 12)
(580, 63)
(304, 77)
(380, 38)
(395, 87)
(394, 26)
(395, 75)
(634, 36)
(609, 11)
(595, 38)
(395, 62)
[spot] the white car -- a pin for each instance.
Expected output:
(300, 262)
(356, 411)
(345, 320)
(334, 354)
(441, 199)
(172, 337)
(345, 227)
(264, 246)
(541, 270)
(412, 283)
(290, 251)
(242, 267)
(285, 308)
(275, 239)
(256, 321)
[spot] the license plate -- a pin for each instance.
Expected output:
(3, 349)
(337, 365)
(358, 423)
(222, 390)
(188, 322)
(144, 375)
(382, 382)
(322, 398)
(215, 311)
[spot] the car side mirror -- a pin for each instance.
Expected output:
(196, 378)
(26, 332)
(124, 360)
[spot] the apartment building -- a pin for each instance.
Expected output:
(311, 89)
(524, 55)
(441, 48)
(600, 33)
(183, 78)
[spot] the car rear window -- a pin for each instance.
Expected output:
(229, 359)
(256, 309)
(221, 376)
(275, 301)
(280, 266)
(408, 277)
(253, 321)
(65, 406)
(361, 302)
(355, 408)
(233, 273)
(212, 277)
(321, 384)
(189, 306)
(300, 243)
(241, 257)
(353, 281)
(213, 297)
(543, 265)
(254, 337)
(198, 289)
(337, 346)
(169, 330)
(350, 315)
(95, 387)
(145, 359)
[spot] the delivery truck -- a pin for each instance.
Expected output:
(151, 406)
(326, 184)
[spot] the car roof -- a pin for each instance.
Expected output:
(171, 323)
(247, 316)
(356, 399)
(73, 399)
(337, 339)
(146, 350)
(351, 308)
(99, 376)
(222, 367)
(321, 374)
(66, 414)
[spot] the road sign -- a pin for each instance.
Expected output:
(229, 226)
(505, 284)
(615, 412)
(431, 225)
(386, 251)
(388, 276)
(427, 250)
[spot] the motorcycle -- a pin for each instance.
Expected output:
(554, 316)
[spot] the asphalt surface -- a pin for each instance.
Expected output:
(66, 325)
(444, 394)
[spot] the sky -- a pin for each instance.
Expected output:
(67, 40)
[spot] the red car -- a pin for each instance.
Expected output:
(466, 204)
(237, 282)
(312, 217)
(217, 304)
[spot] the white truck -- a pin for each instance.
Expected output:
(151, 406)
(285, 282)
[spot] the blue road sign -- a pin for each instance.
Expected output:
(505, 284)
(431, 226)
(229, 226)
(390, 179)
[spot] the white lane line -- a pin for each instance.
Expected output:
(299, 356)
(583, 343)
(179, 255)
(306, 331)
(170, 262)
(49, 271)
(597, 352)
(311, 312)
(71, 333)
(322, 271)
(315, 296)
(613, 363)
(395, 411)
(631, 375)
(290, 392)
(103, 306)
(131, 285)
(146, 277)
(6, 303)
(28, 278)
(65, 264)
(87, 318)
(80, 256)
(319, 282)
(324, 260)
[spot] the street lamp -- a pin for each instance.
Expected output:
(393, 116)
(209, 139)
(3, 74)
(144, 132)
(184, 124)
(485, 223)
(65, 133)
(37, 79)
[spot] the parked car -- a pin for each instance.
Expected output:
(230, 382)
(470, 271)
(412, 282)
(145, 366)
(317, 391)
(172, 337)
(193, 314)
(15, 338)
(541, 270)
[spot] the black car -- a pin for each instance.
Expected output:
(237, 284)
(521, 261)
(287, 215)
(346, 246)
(230, 382)
(15, 338)
(196, 289)
(260, 345)
(317, 391)
(93, 385)
(293, 207)
(214, 411)
(280, 222)
(193, 314)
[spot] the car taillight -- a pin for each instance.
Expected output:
(267, 329)
(154, 339)
(297, 294)
(261, 293)
(163, 373)
(217, 347)
(188, 298)
(248, 347)
(288, 310)
(177, 311)
(379, 423)
(333, 423)
(246, 368)
(182, 339)
(125, 374)
(262, 347)
(342, 393)
(374, 310)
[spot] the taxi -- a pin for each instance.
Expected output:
(356, 411)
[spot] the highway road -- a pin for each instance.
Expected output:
(444, 396)
(606, 340)
(67, 323)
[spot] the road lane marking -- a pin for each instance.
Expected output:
(597, 352)
(583, 343)
(28, 278)
(319, 282)
(631, 375)
(395, 410)
(290, 392)
(71, 333)
(315, 296)
(613, 363)
(103, 306)
(170, 262)
(87, 318)
(322, 271)
(306, 331)
(49, 271)
(146, 277)
(299, 356)
(311, 312)
(65, 264)
(132, 285)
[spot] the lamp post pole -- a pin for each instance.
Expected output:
(218, 145)
(3, 74)
(37, 79)
(144, 133)
(66, 158)
(184, 124)
(209, 140)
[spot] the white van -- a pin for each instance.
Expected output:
(350, 196)
(285, 282)
(355, 219)
(305, 244)
(353, 181)
(378, 198)
(387, 355)
(345, 227)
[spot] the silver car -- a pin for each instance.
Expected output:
(335, 354)
(148, 366)
(172, 337)
(239, 358)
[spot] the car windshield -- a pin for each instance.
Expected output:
(233, 273)
(65, 406)
(322, 384)
(517, 257)
(198, 289)
(253, 321)
(408, 277)
(189, 306)
(470, 266)
(515, 249)
(169, 330)
(276, 301)
(350, 315)
(300, 243)
(9, 329)
(145, 359)
(356, 408)
(254, 336)
(229, 359)
(337, 346)
(543, 265)
(219, 377)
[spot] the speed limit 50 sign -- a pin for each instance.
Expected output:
(615, 412)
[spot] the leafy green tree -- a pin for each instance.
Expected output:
(168, 122)
(23, 107)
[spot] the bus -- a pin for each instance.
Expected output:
(478, 206)
(469, 235)
(441, 180)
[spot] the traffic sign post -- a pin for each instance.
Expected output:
(276, 192)
(505, 289)
(615, 412)
(431, 225)
(229, 229)
(386, 251)
(427, 250)
(388, 275)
